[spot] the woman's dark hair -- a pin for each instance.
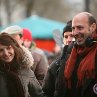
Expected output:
(7, 40)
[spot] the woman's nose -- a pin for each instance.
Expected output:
(5, 52)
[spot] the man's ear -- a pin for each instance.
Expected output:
(93, 27)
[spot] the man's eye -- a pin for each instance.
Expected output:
(80, 27)
(73, 28)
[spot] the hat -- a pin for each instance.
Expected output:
(68, 27)
(13, 30)
(27, 35)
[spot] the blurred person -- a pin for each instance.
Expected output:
(16, 77)
(54, 54)
(40, 66)
(57, 49)
(80, 72)
(29, 43)
(49, 84)
(67, 35)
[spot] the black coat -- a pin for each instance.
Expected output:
(54, 85)
(3, 88)
(50, 80)
(13, 85)
(8, 87)
(89, 89)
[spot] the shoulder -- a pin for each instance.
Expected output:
(26, 72)
(36, 56)
(54, 65)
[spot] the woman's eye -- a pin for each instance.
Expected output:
(1, 50)
(9, 47)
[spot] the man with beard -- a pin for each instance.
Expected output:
(80, 71)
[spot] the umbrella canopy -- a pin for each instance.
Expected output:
(41, 28)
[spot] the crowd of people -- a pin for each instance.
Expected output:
(26, 72)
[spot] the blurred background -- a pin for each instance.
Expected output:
(60, 10)
(42, 17)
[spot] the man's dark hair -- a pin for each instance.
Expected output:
(91, 20)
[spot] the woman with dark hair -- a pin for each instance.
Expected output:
(16, 77)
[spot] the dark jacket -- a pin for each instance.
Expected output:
(89, 89)
(10, 85)
(3, 88)
(50, 78)
(49, 84)
(22, 83)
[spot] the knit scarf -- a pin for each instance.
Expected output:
(86, 68)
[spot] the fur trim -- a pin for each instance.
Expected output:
(28, 58)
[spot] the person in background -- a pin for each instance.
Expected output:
(49, 84)
(67, 35)
(40, 66)
(16, 77)
(80, 72)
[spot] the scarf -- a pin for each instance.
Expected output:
(86, 68)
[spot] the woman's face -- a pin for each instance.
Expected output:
(6, 53)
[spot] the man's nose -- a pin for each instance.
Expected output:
(75, 32)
